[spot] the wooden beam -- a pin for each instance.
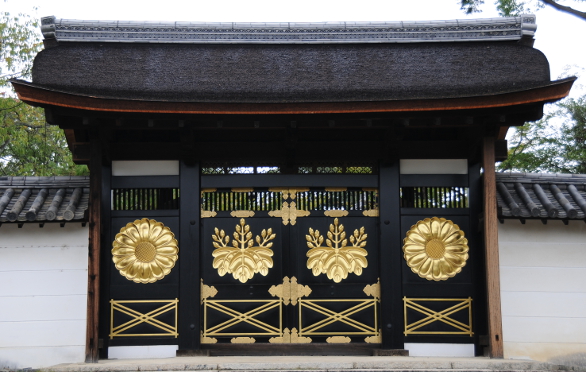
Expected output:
(93, 299)
(491, 250)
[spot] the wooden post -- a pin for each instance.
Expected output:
(491, 249)
(390, 259)
(189, 305)
(93, 293)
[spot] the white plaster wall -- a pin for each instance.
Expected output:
(543, 290)
(43, 294)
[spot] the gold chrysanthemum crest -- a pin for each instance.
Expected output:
(435, 249)
(145, 251)
(336, 259)
(243, 260)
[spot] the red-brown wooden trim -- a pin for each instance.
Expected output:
(93, 299)
(491, 250)
(40, 96)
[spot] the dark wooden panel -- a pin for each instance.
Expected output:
(435, 211)
(479, 317)
(434, 180)
(105, 256)
(244, 180)
(390, 258)
(290, 349)
(141, 214)
(121, 182)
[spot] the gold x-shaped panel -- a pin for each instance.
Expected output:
(140, 318)
(236, 317)
(443, 316)
(344, 316)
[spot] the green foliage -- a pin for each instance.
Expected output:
(509, 8)
(550, 146)
(471, 6)
(20, 43)
(28, 145)
(31, 147)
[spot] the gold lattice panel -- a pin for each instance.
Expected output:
(129, 318)
(333, 319)
(233, 317)
(422, 320)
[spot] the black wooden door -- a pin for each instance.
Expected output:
(290, 266)
(142, 270)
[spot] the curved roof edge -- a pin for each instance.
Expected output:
(38, 95)
(486, 29)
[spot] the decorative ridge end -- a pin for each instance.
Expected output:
(48, 27)
(528, 25)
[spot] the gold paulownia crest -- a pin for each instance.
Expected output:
(435, 249)
(336, 259)
(244, 259)
(144, 251)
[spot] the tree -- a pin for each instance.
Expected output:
(28, 145)
(550, 146)
(31, 147)
(19, 44)
(515, 7)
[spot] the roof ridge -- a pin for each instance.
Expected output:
(502, 28)
(43, 181)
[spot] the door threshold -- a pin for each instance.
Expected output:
(314, 349)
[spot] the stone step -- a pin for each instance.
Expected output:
(313, 364)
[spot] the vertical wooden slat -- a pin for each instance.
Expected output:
(93, 299)
(491, 248)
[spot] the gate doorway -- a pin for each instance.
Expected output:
(290, 265)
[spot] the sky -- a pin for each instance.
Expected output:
(559, 35)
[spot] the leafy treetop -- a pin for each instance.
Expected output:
(516, 7)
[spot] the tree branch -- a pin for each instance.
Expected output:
(3, 146)
(28, 125)
(566, 9)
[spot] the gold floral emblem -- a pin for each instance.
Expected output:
(435, 249)
(336, 259)
(144, 251)
(243, 260)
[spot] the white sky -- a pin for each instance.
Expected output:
(558, 35)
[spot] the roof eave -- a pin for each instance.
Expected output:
(42, 96)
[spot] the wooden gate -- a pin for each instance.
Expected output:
(290, 265)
